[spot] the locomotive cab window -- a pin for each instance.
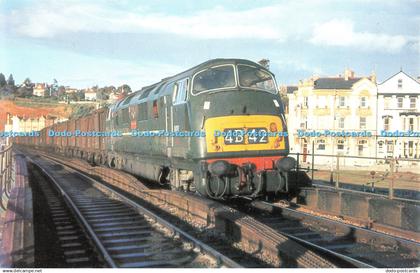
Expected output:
(253, 77)
(215, 78)
(180, 91)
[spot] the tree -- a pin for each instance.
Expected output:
(26, 89)
(11, 81)
(27, 82)
(124, 89)
(54, 88)
(61, 92)
(2, 80)
(265, 63)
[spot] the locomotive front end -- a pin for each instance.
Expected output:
(247, 156)
(246, 145)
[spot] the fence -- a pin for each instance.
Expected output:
(5, 176)
(394, 177)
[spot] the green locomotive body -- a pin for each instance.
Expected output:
(218, 128)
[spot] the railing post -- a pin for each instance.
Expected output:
(313, 161)
(297, 162)
(9, 169)
(391, 182)
(338, 173)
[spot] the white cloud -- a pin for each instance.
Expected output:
(50, 18)
(341, 33)
(291, 21)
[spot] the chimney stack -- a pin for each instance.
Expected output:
(348, 74)
(373, 77)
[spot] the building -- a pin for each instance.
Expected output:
(90, 94)
(30, 123)
(398, 112)
(70, 90)
(40, 90)
(323, 109)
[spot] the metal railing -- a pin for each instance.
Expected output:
(384, 176)
(5, 175)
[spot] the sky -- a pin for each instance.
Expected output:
(85, 43)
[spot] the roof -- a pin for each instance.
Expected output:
(291, 89)
(335, 83)
(146, 92)
(402, 72)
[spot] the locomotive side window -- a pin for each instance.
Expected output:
(214, 78)
(253, 77)
(180, 91)
(155, 109)
(125, 117)
(142, 111)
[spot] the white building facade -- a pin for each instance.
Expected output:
(398, 115)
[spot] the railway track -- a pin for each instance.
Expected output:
(345, 244)
(124, 233)
(357, 246)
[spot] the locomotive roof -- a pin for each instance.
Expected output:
(146, 92)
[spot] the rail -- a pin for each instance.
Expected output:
(396, 178)
(5, 176)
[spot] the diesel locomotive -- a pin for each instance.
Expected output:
(218, 129)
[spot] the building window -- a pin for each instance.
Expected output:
(342, 101)
(400, 101)
(363, 102)
(390, 146)
(411, 124)
(410, 148)
(321, 144)
(341, 122)
(340, 144)
(380, 145)
(361, 146)
(305, 102)
(400, 83)
(387, 103)
(412, 103)
(362, 122)
(387, 123)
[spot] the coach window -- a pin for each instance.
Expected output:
(180, 91)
